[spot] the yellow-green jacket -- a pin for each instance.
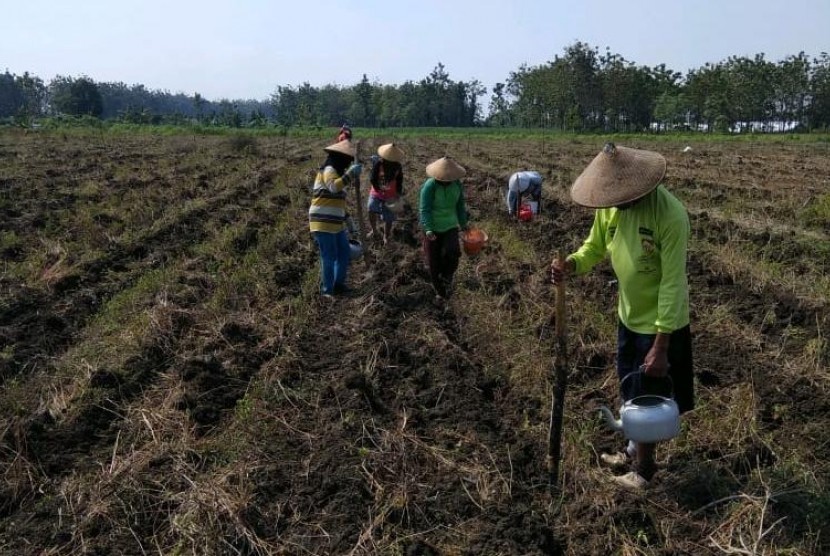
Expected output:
(648, 244)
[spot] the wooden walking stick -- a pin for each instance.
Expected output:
(359, 202)
(557, 409)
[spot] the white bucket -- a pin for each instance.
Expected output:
(395, 205)
(534, 207)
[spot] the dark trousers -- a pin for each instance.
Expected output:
(631, 352)
(442, 256)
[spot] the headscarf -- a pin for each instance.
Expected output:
(338, 161)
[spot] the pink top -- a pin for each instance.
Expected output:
(388, 190)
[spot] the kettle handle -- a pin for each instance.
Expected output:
(641, 371)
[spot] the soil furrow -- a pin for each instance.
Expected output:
(43, 326)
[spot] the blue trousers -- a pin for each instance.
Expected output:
(334, 259)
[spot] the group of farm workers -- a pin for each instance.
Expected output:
(638, 224)
(442, 209)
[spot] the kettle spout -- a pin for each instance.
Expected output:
(614, 424)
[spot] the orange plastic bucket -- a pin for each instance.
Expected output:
(525, 213)
(473, 241)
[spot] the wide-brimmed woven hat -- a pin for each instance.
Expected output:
(618, 175)
(446, 169)
(343, 147)
(391, 152)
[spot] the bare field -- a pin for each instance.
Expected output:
(170, 382)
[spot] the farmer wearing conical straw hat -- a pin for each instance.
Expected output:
(645, 230)
(443, 212)
(327, 215)
(386, 178)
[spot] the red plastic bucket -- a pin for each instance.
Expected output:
(473, 241)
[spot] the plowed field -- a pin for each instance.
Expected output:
(172, 383)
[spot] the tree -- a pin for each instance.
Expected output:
(629, 93)
(567, 90)
(583, 78)
(11, 95)
(792, 87)
(670, 110)
(361, 112)
(707, 90)
(499, 107)
(820, 91)
(34, 96)
(199, 105)
(77, 97)
(474, 89)
(284, 103)
(748, 90)
(307, 109)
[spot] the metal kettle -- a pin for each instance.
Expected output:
(646, 418)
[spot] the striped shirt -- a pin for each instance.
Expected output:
(327, 212)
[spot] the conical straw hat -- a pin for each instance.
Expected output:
(391, 152)
(343, 147)
(446, 169)
(618, 175)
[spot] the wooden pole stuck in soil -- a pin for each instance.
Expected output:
(560, 365)
(359, 203)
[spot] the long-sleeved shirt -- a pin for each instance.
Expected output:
(327, 212)
(648, 243)
(442, 206)
(520, 181)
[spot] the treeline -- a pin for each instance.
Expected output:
(25, 98)
(580, 90)
(435, 100)
(585, 90)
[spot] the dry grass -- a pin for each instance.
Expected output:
(200, 398)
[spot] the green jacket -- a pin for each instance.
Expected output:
(647, 244)
(442, 206)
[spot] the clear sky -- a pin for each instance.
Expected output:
(245, 48)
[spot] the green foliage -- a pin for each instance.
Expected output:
(9, 240)
(22, 97)
(583, 90)
(435, 100)
(126, 306)
(817, 212)
(76, 97)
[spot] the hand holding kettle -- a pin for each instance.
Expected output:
(656, 362)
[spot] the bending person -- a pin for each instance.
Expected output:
(523, 184)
